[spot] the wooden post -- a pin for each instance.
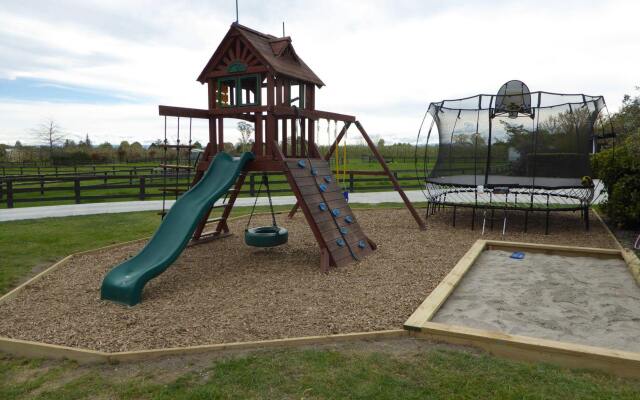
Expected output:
(393, 179)
(258, 144)
(303, 140)
(9, 193)
(220, 134)
(76, 189)
(351, 186)
(142, 188)
(294, 139)
(271, 134)
(42, 185)
(284, 136)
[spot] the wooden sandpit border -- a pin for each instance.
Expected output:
(32, 349)
(524, 348)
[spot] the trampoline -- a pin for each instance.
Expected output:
(514, 150)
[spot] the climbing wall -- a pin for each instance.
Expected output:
(320, 194)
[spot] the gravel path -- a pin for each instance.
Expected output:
(224, 291)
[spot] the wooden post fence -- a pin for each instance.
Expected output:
(76, 189)
(142, 188)
(9, 193)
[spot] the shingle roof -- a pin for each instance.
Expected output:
(277, 53)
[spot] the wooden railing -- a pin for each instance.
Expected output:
(44, 189)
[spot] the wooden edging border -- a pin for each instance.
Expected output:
(523, 348)
(25, 348)
(31, 349)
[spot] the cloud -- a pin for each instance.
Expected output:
(383, 61)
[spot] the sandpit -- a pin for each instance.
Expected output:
(584, 300)
(224, 291)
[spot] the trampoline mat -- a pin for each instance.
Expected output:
(508, 181)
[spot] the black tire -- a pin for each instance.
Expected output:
(266, 236)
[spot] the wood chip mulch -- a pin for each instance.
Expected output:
(224, 291)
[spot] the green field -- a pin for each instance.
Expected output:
(388, 370)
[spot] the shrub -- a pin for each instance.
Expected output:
(619, 170)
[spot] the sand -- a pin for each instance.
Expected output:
(581, 300)
(224, 291)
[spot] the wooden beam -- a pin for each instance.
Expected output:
(441, 293)
(392, 177)
(220, 134)
(286, 111)
(243, 113)
(249, 70)
(258, 143)
(336, 143)
(522, 348)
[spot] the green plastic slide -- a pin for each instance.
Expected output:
(124, 283)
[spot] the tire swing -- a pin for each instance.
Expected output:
(265, 236)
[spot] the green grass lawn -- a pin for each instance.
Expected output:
(363, 371)
(429, 373)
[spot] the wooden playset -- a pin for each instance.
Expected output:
(260, 78)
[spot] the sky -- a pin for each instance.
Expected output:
(102, 67)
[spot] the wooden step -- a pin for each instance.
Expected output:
(208, 237)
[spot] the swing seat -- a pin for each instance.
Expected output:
(266, 236)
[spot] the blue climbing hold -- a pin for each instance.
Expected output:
(518, 255)
(323, 187)
(302, 164)
(348, 219)
(327, 179)
(335, 212)
(314, 171)
(340, 242)
(344, 230)
(362, 244)
(322, 206)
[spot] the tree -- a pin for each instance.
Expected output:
(123, 150)
(50, 134)
(86, 144)
(246, 132)
(136, 151)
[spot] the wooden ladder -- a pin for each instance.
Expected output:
(222, 229)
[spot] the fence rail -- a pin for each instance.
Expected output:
(91, 188)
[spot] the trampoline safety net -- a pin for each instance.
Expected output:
(513, 142)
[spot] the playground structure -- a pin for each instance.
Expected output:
(235, 299)
(261, 79)
(515, 150)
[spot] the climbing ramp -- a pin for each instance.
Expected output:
(327, 211)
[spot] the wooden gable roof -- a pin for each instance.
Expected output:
(254, 49)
